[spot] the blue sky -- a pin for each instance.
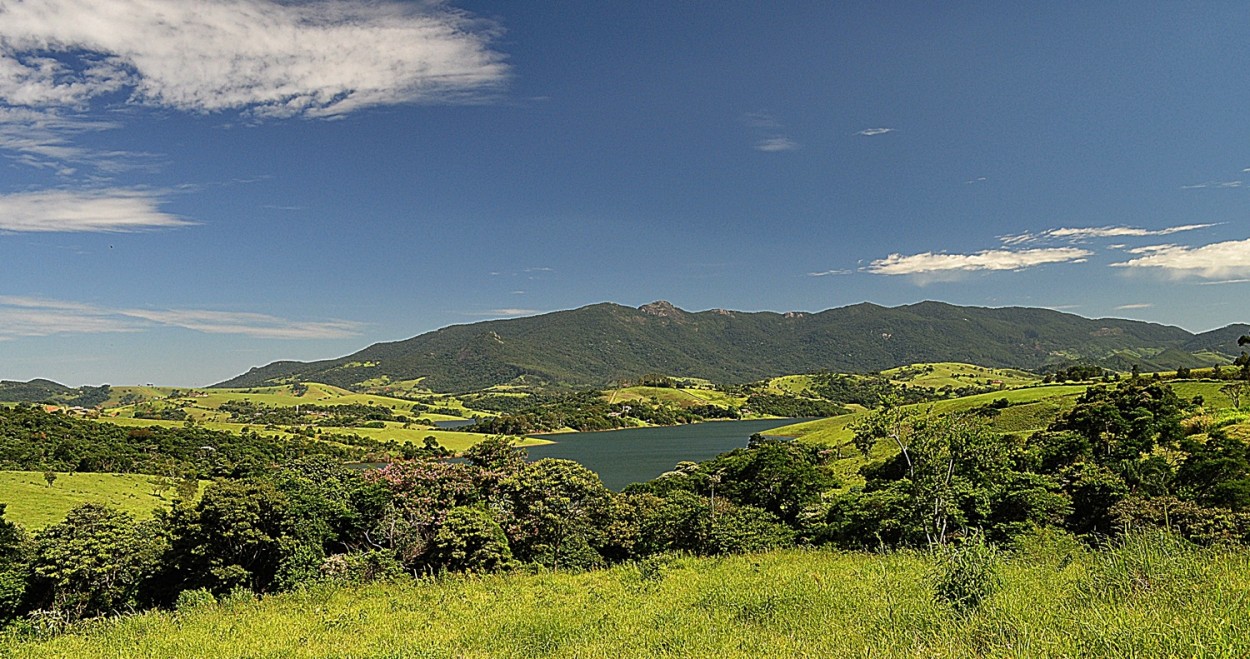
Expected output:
(188, 190)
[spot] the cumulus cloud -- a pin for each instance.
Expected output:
(870, 132)
(108, 210)
(269, 58)
(930, 263)
(32, 316)
(1077, 234)
(776, 144)
(1223, 260)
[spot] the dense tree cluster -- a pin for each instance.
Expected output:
(328, 416)
(587, 411)
(34, 440)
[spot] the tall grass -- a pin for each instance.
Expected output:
(1148, 596)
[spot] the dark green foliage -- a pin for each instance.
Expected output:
(15, 554)
(602, 344)
(583, 411)
(1124, 422)
(778, 476)
(239, 535)
(327, 416)
(47, 391)
(470, 540)
(793, 406)
(1199, 524)
(97, 561)
(34, 440)
(556, 512)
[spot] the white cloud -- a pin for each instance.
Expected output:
(31, 316)
(869, 132)
(1128, 307)
(261, 326)
(268, 58)
(776, 144)
(1225, 185)
(828, 273)
(928, 263)
(109, 210)
(1224, 260)
(1077, 234)
(979, 179)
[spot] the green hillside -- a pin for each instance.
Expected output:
(605, 343)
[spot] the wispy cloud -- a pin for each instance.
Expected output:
(109, 210)
(1213, 184)
(828, 273)
(1223, 260)
(769, 129)
(870, 132)
(270, 58)
(1139, 305)
(32, 316)
(979, 179)
(60, 59)
(1078, 234)
(776, 144)
(43, 138)
(930, 263)
(495, 313)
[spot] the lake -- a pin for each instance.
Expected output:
(621, 457)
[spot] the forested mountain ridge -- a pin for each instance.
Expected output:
(602, 343)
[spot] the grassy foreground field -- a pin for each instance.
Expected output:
(34, 504)
(1152, 597)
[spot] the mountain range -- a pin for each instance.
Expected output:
(605, 343)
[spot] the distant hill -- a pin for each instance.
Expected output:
(603, 343)
(47, 391)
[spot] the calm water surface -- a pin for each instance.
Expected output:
(621, 457)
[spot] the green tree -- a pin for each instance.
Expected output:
(237, 536)
(470, 540)
(15, 555)
(556, 510)
(96, 561)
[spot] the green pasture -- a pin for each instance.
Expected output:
(34, 504)
(836, 431)
(956, 374)
(449, 439)
(682, 397)
(455, 441)
(1055, 600)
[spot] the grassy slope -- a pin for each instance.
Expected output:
(35, 505)
(956, 374)
(682, 397)
(836, 431)
(456, 441)
(202, 405)
(1057, 602)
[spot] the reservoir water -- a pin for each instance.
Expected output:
(621, 457)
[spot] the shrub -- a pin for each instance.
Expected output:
(966, 574)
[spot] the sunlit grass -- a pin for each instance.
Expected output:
(1150, 599)
(34, 504)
